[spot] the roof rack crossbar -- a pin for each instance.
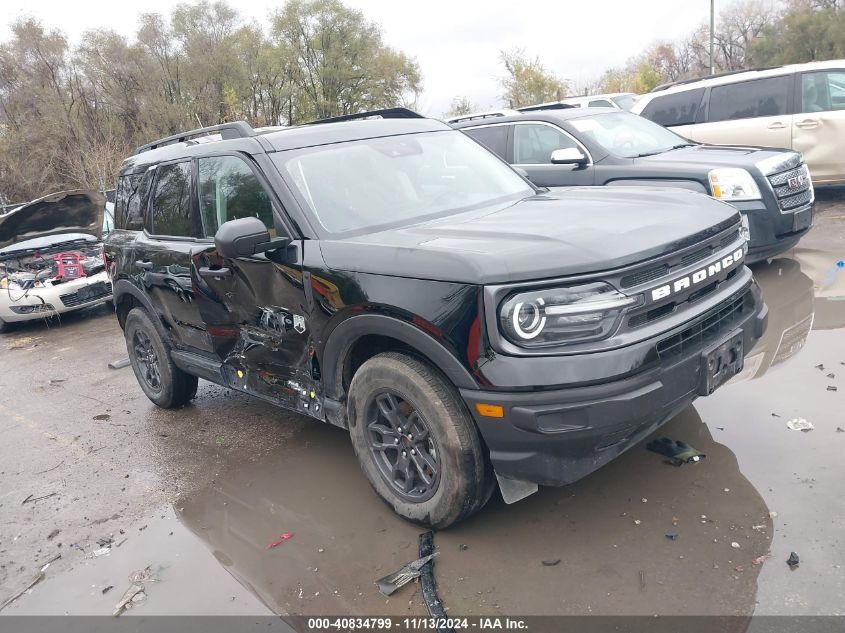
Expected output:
(235, 129)
(386, 113)
(481, 115)
(546, 106)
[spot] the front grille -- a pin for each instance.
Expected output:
(716, 321)
(790, 198)
(86, 294)
(650, 274)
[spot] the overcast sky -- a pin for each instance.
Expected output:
(457, 42)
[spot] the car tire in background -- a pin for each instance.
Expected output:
(4, 327)
(415, 441)
(164, 383)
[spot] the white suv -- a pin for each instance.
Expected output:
(801, 107)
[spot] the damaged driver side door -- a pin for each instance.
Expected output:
(254, 307)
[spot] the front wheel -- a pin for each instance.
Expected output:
(416, 443)
(163, 382)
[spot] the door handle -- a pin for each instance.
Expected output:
(144, 265)
(808, 124)
(215, 272)
(777, 125)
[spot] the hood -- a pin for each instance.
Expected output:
(573, 231)
(79, 211)
(703, 158)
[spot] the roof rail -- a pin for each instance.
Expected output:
(555, 105)
(386, 113)
(481, 115)
(727, 73)
(236, 129)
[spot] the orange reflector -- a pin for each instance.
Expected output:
(490, 410)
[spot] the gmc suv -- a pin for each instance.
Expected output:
(559, 147)
(392, 277)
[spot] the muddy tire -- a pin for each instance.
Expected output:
(4, 327)
(416, 442)
(164, 383)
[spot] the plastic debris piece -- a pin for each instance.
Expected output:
(433, 604)
(672, 536)
(637, 521)
(126, 599)
(759, 559)
(820, 367)
(831, 376)
(773, 514)
(800, 424)
(551, 562)
(107, 589)
(281, 539)
(119, 364)
(735, 545)
(463, 547)
(678, 452)
(793, 560)
(390, 583)
(101, 552)
(839, 429)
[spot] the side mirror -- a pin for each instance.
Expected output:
(568, 156)
(245, 237)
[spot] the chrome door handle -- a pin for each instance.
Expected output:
(808, 124)
(777, 125)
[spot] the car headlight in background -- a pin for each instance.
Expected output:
(731, 184)
(559, 316)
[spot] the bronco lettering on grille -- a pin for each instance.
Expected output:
(724, 264)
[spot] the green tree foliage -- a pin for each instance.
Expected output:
(527, 82)
(69, 114)
(460, 106)
(805, 32)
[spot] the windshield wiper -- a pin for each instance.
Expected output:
(667, 149)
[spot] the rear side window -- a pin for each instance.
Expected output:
(127, 207)
(228, 189)
(749, 99)
(533, 143)
(679, 108)
(171, 205)
(493, 137)
(823, 91)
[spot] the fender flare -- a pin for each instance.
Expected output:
(123, 287)
(344, 336)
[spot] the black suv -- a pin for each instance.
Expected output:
(392, 277)
(560, 146)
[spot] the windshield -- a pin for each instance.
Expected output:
(364, 184)
(626, 102)
(627, 135)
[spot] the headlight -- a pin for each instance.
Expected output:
(560, 316)
(733, 184)
(4, 282)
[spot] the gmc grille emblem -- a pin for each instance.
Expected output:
(797, 182)
(724, 264)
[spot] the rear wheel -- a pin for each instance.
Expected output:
(164, 383)
(416, 442)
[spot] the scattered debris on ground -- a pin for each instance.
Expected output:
(390, 583)
(119, 364)
(800, 424)
(41, 472)
(53, 534)
(678, 452)
(672, 536)
(31, 583)
(551, 562)
(831, 388)
(735, 545)
(136, 592)
(793, 561)
(32, 498)
(102, 416)
(463, 547)
(280, 539)
(429, 586)
(107, 589)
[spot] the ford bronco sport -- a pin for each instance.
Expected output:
(392, 277)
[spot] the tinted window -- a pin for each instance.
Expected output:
(228, 189)
(533, 143)
(127, 209)
(823, 91)
(172, 214)
(679, 108)
(749, 99)
(493, 137)
(626, 102)
(600, 103)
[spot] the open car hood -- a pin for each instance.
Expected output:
(78, 211)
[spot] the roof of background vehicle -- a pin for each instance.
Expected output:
(606, 95)
(733, 76)
(550, 116)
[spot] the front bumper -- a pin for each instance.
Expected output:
(773, 231)
(555, 437)
(39, 303)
